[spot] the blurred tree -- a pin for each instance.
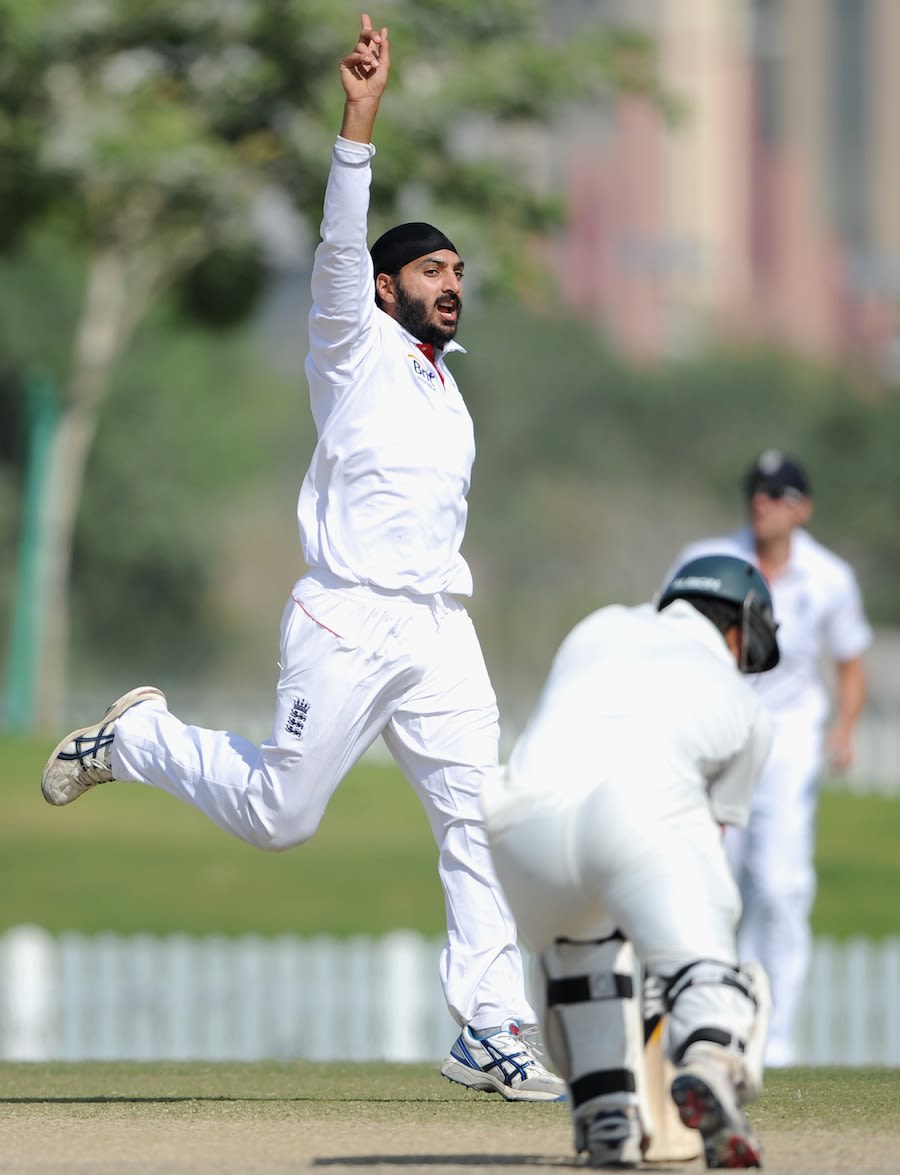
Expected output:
(140, 132)
(591, 475)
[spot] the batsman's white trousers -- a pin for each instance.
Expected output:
(773, 861)
(356, 663)
(579, 866)
(580, 870)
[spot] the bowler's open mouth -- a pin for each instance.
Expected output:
(448, 308)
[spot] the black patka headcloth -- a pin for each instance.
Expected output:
(400, 245)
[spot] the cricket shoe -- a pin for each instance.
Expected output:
(84, 758)
(707, 1102)
(612, 1138)
(504, 1062)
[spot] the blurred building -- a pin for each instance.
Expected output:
(770, 209)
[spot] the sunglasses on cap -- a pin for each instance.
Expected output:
(775, 491)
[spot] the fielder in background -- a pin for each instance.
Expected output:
(374, 639)
(820, 616)
(605, 832)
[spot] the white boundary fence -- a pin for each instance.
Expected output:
(110, 997)
(106, 997)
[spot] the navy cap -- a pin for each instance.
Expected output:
(775, 470)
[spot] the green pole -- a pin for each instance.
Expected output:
(42, 413)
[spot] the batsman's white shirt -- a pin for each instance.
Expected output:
(384, 500)
(645, 738)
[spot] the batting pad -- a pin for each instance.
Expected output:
(593, 1024)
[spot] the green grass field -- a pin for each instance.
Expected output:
(271, 1119)
(127, 858)
(868, 1096)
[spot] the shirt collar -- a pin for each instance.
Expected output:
(685, 617)
(800, 543)
(453, 345)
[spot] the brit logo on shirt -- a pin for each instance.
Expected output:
(423, 372)
(297, 717)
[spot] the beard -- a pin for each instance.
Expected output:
(413, 315)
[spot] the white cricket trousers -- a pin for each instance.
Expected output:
(773, 862)
(356, 663)
(581, 867)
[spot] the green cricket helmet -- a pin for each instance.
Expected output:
(734, 581)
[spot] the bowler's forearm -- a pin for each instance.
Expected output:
(851, 694)
(359, 119)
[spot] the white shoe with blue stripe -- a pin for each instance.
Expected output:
(506, 1062)
(84, 758)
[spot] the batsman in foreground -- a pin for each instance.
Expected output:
(605, 828)
(374, 639)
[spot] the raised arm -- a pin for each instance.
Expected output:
(364, 74)
(343, 292)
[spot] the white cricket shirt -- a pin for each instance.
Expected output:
(648, 702)
(819, 610)
(384, 499)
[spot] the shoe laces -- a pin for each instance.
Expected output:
(95, 772)
(531, 1038)
(529, 1041)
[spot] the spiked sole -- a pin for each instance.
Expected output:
(724, 1145)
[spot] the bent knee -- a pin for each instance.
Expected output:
(280, 837)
